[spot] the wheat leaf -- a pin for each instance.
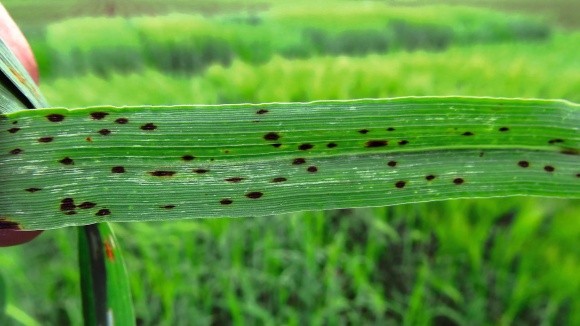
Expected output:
(61, 167)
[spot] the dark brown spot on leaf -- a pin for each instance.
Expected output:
(67, 204)
(524, 164)
(570, 151)
(400, 184)
(305, 147)
(33, 189)
(376, 143)
(390, 129)
(201, 171)
(103, 212)
(148, 126)
(271, 136)
(504, 129)
(234, 179)
(277, 145)
(458, 181)
(67, 161)
(226, 201)
(312, 169)
(89, 139)
(122, 121)
(481, 154)
(555, 141)
(279, 179)
(298, 161)
(45, 139)
(118, 169)
(467, 133)
(392, 164)
(168, 206)
(403, 142)
(55, 117)
(262, 111)
(430, 177)
(86, 205)
(363, 131)
(70, 213)
(104, 132)
(187, 157)
(98, 115)
(162, 173)
(331, 145)
(549, 168)
(13, 130)
(16, 151)
(8, 225)
(254, 195)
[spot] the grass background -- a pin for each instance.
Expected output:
(492, 261)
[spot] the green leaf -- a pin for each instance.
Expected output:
(17, 89)
(104, 282)
(62, 167)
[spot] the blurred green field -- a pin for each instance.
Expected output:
(493, 261)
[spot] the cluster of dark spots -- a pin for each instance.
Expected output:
(55, 117)
(187, 157)
(363, 131)
(103, 212)
(271, 136)
(392, 164)
(162, 173)
(104, 132)
(458, 181)
(148, 126)
(390, 129)
(277, 145)
(570, 151)
(429, 177)
(331, 145)
(254, 195)
(33, 189)
(312, 169)
(262, 111)
(298, 161)
(467, 133)
(400, 184)
(201, 171)
(234, 179)
(549, 168)
(168, 206)
(504, 129)
(67, 204)
(67, 161)
(403, 142)
(13, 130)
(555, 141)
(279, 179)
(226, 201)
(305, 147)
(376, 143)
(8, 225)
(118, 169)
(524, 164)
(122, 121)
(98, 115)
(16, 151)
(86, 205)
(45, 139)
